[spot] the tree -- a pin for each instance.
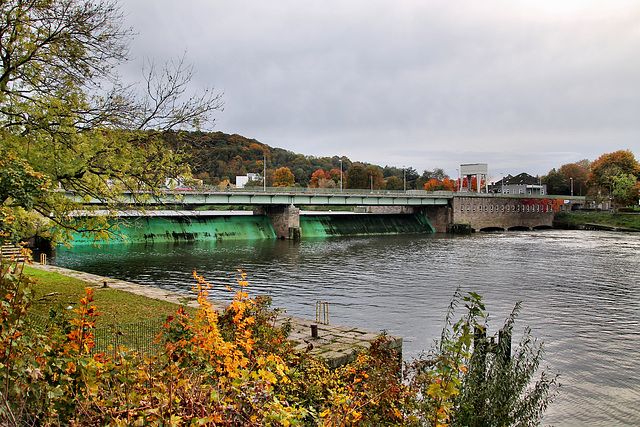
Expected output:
(357, 177)
(374, 175)
(557, 182)
(609, 165)
(20, 186)
(283, 178)
(66, 114)
(394, 183)
(579, 171)
(336, 176)
(316, 177)
(625, 189)
(436, 185)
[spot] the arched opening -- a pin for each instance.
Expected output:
(519, 228)
(491, 229)
(542, 227)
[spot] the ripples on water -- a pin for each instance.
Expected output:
(579, 289)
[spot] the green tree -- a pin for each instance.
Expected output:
(283, 177)
(357, 177)
(65, 113)
(394, 183)
(556, 182)
(20, 187)
(625, 189)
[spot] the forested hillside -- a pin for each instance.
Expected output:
(216, 157)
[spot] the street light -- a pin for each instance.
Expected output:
(571, 186)
(341, 175)
(404, 170)
(502, 183)
(264, 178)
(459, 184)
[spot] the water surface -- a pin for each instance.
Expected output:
(580, 292)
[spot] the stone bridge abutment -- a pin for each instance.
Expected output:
(503, 213)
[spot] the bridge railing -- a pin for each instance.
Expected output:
(309, 190)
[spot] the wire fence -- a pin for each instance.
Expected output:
(137, 337)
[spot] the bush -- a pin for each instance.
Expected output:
(238, 368)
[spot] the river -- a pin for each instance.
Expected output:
(580, 293)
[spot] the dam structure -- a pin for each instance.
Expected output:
(276, 213)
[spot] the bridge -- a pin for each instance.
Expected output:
(483, 211)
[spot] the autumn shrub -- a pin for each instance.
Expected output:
(237, 368)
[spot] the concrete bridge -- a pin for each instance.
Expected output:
(484, 212)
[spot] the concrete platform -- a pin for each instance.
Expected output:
(335, 343)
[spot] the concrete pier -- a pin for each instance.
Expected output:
(335, 343)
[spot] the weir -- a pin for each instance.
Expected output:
(276, 213)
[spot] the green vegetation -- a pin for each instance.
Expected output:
(611, 177)
(575, 220)
(58, 292)
(236, 367)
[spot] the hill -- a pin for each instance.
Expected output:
(216, 156)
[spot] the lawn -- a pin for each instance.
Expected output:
(55, 291)
(627, 221)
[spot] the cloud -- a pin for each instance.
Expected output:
(520, 85)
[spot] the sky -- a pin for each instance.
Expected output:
(522, 85)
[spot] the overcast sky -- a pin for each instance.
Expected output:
(523, 85)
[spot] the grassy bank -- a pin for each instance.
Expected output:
(55, 291)
(577, 220)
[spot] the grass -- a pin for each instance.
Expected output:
(629, 222)
(55, 291)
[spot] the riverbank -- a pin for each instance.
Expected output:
(123, 302)
(598, 220)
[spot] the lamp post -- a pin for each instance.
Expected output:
(341, 175)
(458, 184)
(404, 171)
(571, 186)
(502, 184)
(264, 178)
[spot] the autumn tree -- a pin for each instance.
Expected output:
(437, 185)
(283, 177)
(337, 176)
(65, 113)
(606, 167)
(579, 171)
(374, 174)
(316, 177)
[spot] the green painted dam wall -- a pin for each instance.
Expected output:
(363, 224)
(250, 227)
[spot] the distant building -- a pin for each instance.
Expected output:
(520, 184)
(477, 170)
(241, 181)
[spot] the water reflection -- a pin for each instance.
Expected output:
(580, 294)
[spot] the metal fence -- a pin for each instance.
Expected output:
(138, 337)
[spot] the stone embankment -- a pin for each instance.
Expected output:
(336, 344)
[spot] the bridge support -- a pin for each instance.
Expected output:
(285, 219)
